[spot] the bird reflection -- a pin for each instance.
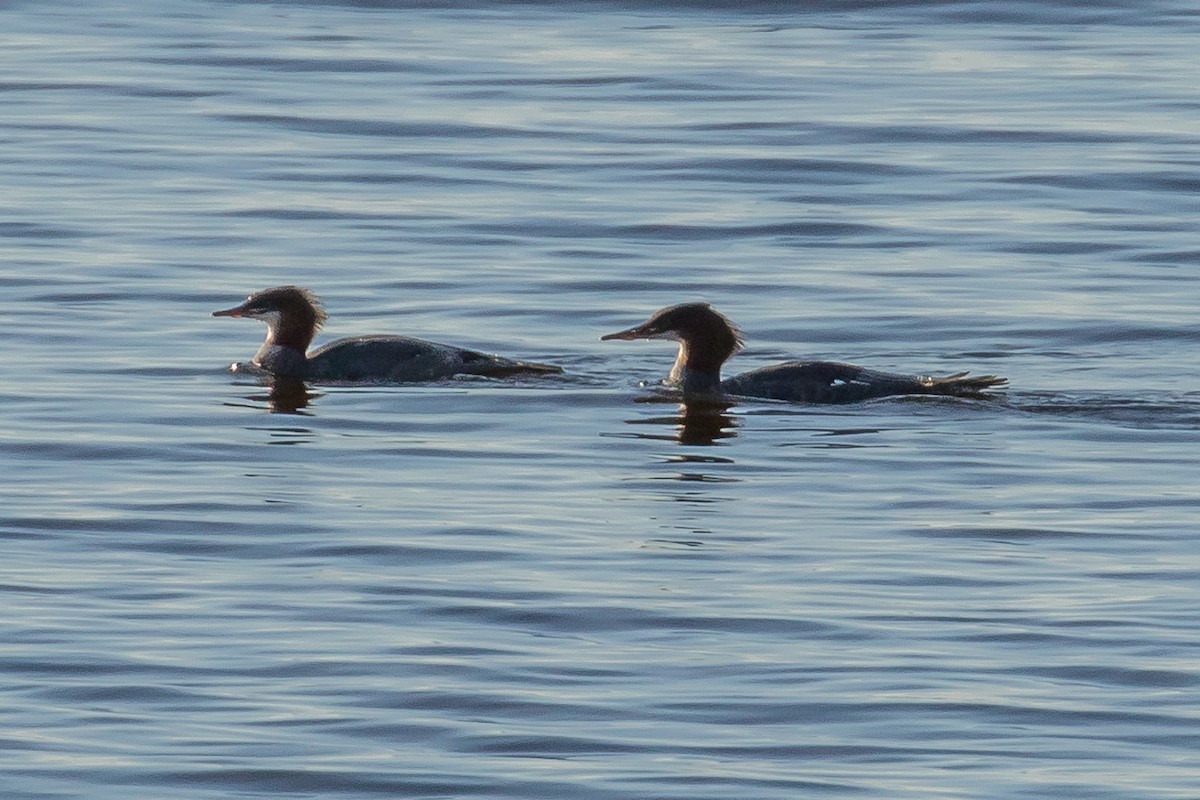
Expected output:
(702, 423)
(289, 396)
(283, 396)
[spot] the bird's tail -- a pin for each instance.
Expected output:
(532, 367)
(507, 368)
(960, 384)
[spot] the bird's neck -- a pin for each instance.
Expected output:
(697, 368)
(283, 351)
(290, 330)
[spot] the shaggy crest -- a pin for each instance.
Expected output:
(291, 295)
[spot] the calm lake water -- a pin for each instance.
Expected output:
(573, 587)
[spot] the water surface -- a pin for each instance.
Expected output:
(574, 587)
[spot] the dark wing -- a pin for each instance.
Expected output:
(833, 382)
(403, 359)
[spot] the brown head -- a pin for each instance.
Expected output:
(292, 314)
(706, 338)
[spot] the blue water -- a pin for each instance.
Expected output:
(573, 587)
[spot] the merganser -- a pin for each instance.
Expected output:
(707, 339)
(293, 316)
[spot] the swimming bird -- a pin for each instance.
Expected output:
(293, 315)
(707, 339)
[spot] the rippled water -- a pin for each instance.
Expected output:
(573, 587)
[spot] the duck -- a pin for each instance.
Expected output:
(293, 316)
(708, 338)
